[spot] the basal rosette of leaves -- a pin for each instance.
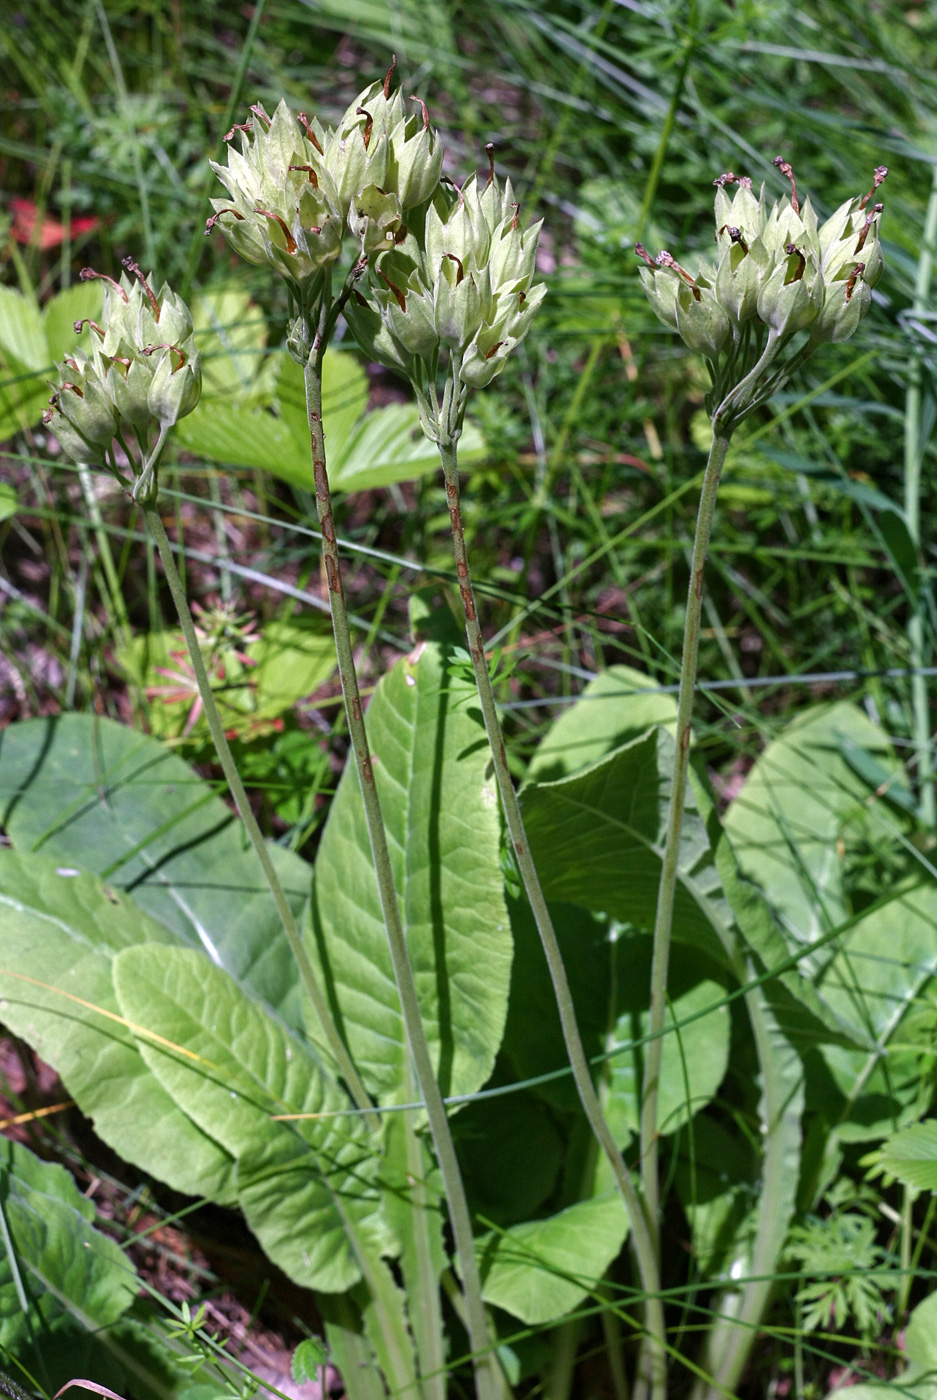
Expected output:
(778, 273)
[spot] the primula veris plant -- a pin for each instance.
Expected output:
(778, 273)
(781, 286)
(142, 376)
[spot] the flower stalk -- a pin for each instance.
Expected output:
(782, 286)
(143, 375)
(642, 1233)
(487, 1375)
(295, 189)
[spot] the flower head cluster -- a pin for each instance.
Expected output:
(448, 270)
(463, 282)
(777, 272)
(297, 187)
(142, 376)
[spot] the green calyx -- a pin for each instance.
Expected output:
(781, 285)
(142, 376)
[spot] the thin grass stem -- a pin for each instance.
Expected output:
(914, 446)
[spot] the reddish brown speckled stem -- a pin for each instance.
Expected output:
(640, 1230)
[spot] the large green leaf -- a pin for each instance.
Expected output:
(716, 1181)
(23, 394)
(441, 814)
(619, 705)
(94, 794)
(304, 1186)
(597, 839)
(231, 336)
(882, 965)
(806, 1017)
(64, 928)
(533, 1038)
(344, 401)
(81, 301)
(805, 809)
(64, 1263)
(22, 334)
(543, 1269)
(910, 1155)
(694, 1056)
(510, 1153)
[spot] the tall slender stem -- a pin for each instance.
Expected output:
(485, 1363)
(668, 875)
(913, 459)
(640, 1232)
(333, 1040)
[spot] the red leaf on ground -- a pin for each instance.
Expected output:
(51, 233)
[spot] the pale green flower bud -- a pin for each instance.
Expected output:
(82, 415)
(778, 275)
(739, 274)
(480, 364)
(414, 162)
(660, 290)
(374, 335)
(845, 303)
(131, 381)
(357, 152)
(459, 303)
(176, 384)
(374, 219)
(284, 207)
(792, 295)
(128, 386)
(468, 287)
(455, 230)
(701, 321)
(740, 210)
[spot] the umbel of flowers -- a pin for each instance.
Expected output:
(462, 281)
(780, 285)
(297, 188)
(448, 270)
(142, 376)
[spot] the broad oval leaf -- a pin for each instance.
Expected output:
(597, 839)
(441, 814)
(94, 794)
(542, 1269)
(619, 705)
(65, 1263)
(64, 929)
(876, 980)
(694, 1059)
(307, 1187)
(804, 808)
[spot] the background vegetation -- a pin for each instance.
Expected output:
(612, 120)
